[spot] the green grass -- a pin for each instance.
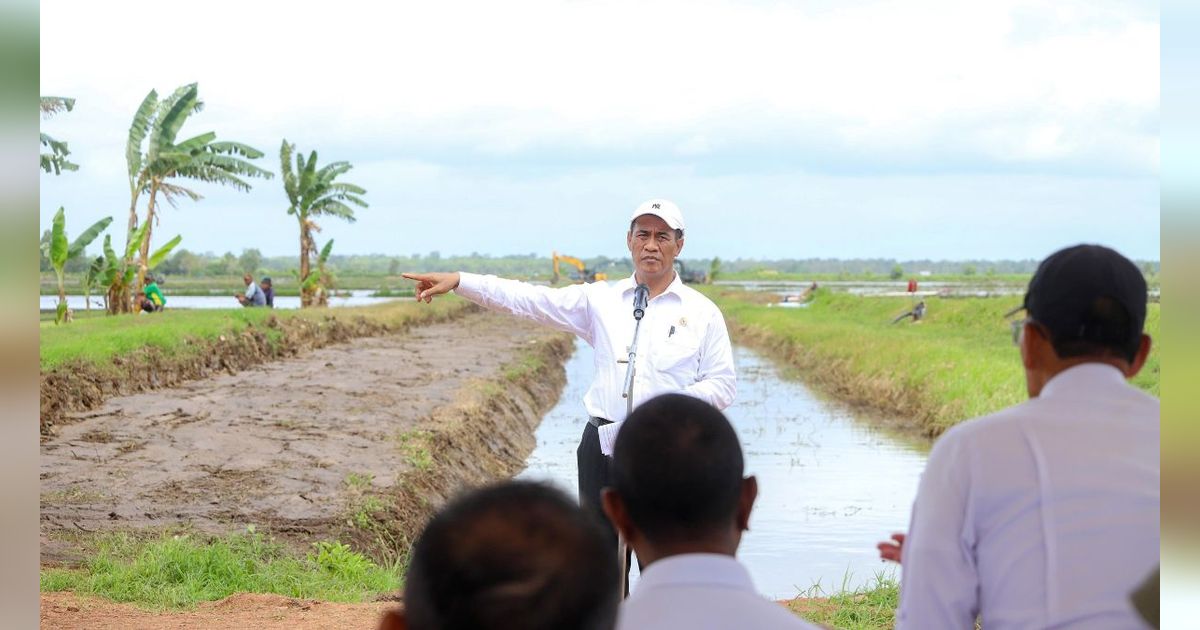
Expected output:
(98, 340)
(871, 607)
(958, 363)
(179, 571)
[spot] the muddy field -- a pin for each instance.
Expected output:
(286, 445)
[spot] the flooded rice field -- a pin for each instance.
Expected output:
(830, 485)
(356, 297)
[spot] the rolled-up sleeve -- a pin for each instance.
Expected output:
(716, 379)
(565, 308)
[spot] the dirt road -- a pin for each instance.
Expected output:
(272, 446)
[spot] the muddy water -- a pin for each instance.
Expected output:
(830, 486)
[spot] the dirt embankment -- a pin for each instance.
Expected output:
(81, 386)
(358, 441)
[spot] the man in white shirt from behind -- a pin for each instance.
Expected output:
(1046, 514)
(679, 499)
(683, 344)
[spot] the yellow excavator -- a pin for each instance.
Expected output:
(582, 273)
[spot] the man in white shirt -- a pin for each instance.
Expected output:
(683, 345)
(1046, 514)
(680, 501)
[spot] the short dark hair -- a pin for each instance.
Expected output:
(517, 554)
(678, 232)
(677, 466)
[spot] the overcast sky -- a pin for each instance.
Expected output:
(782, 129)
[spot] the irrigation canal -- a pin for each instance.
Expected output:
(830, 485)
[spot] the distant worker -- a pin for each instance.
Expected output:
(517, 554)
(683, 345)
(153, 295)
(917, 313)
(1046, 514)
(268, 291)
(680, 500)
(253, 295)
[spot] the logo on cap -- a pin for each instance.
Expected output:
(657, 206)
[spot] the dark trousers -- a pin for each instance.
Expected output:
(595, 473)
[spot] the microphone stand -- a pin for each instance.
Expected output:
(640, 297)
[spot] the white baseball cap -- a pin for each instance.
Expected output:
(663, 209)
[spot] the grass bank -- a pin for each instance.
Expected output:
(178, 571)
(958, 363)
(870, 607)
(98, 339)
(90, 360)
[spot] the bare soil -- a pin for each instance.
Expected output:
(278, 445)
(244, 610)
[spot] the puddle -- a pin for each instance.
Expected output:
(830, 486)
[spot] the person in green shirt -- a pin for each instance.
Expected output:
(153, 294)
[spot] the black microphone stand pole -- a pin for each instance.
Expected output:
(640, 298)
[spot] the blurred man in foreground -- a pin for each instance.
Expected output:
(512, 555)
(679, 499)
(1046, 514)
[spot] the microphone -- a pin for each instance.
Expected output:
(641, 296)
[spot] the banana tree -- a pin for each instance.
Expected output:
(320, 283)
(156, 126)
(56, 160)
(119, 273)
(91, 278)
(61, 251)
(314, 192)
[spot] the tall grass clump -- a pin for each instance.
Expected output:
(869, 607)
(179, 571)
(959, 362)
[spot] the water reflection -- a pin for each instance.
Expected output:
(356, 297)
(830, 487)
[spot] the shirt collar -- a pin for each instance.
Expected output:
(1082, 376)
(629, 284)
(696, 569)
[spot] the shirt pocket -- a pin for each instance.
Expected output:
(678, 355)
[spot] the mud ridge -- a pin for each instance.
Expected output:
(485, 436)
(81, 386)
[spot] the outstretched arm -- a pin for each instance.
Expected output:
(431, 284)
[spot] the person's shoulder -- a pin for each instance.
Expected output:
(695, 299)
(983, 430)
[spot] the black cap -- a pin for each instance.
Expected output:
(1066, 286)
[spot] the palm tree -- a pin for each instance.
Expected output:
(56, 160)
(313, 192)
(157, 124)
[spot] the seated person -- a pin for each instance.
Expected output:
(679, 499)
(268, 291)
(253, 295)
(1046, 514)
(145, 304)
(153, 294)
(513, 555)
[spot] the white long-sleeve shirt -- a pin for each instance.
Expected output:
(1044, 515)
(702, 591)
(683, 345)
